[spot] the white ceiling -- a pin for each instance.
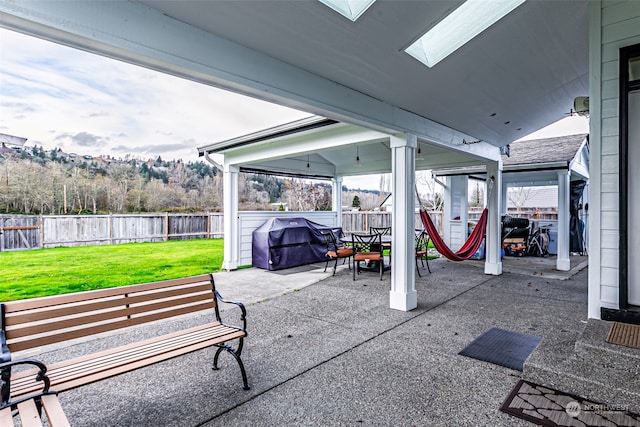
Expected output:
(514, 78)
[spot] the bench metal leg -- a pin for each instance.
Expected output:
(236, 355)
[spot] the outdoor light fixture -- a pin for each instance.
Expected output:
(457, 28)
(350, 9)
(419, 154)
(357, 157)
(308, 166)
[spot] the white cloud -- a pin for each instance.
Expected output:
(58, 96)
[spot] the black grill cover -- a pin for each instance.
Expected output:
(288, 242)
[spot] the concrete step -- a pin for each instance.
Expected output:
(592, 345)
(590, 368)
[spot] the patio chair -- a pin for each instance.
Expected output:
(422, 249)
(336, 250)
(367, 248)
(383, 231)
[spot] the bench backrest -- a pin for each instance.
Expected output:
(42, 321)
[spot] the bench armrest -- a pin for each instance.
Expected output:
(5, 354)
(243, 316)
(5, 372)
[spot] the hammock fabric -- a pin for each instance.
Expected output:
(467, 250)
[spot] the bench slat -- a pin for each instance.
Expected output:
(29, 415)
(53, 409)
(36, 303)
(125, 364)
(89, 318)
(106, 327)
(6, 418)
(98, 361)
(87, 369)
(16, 317)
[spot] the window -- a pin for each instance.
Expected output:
(457, 28)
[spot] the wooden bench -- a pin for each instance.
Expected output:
(31, 408)
(32, 323)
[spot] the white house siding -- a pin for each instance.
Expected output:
(614, 24)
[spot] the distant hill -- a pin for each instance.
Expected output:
(37, 181)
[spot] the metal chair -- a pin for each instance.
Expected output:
(383, 231)
(422, 249)
(367, 248)
(335, 250)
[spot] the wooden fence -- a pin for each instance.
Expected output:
(46, 231)
(357, 222)
(19, 232)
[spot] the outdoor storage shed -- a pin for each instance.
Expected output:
(288, 242)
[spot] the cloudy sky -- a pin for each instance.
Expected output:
(83, 103)
(59, 97)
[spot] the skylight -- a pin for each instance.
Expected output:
(460, 26)
(351, 9)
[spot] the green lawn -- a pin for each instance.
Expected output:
(42, 272)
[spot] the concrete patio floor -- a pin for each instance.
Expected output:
(326, 350)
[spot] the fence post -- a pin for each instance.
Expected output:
(166, 226)
(41, 224)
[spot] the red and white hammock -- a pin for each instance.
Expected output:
(467, 250)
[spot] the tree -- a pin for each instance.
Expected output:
(356, 201)
(54, 185)
(518, 196)
(430, 191)
(477, 195)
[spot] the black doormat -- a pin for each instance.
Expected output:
(552, 408)
(501, 347)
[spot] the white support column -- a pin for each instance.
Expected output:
(563, 263)
(403, 294)
(446, 214)
(336, 199)
(493, 260)
(504, 198)
(231, 231)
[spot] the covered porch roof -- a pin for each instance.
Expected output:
(317, 147)
(536, 162)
